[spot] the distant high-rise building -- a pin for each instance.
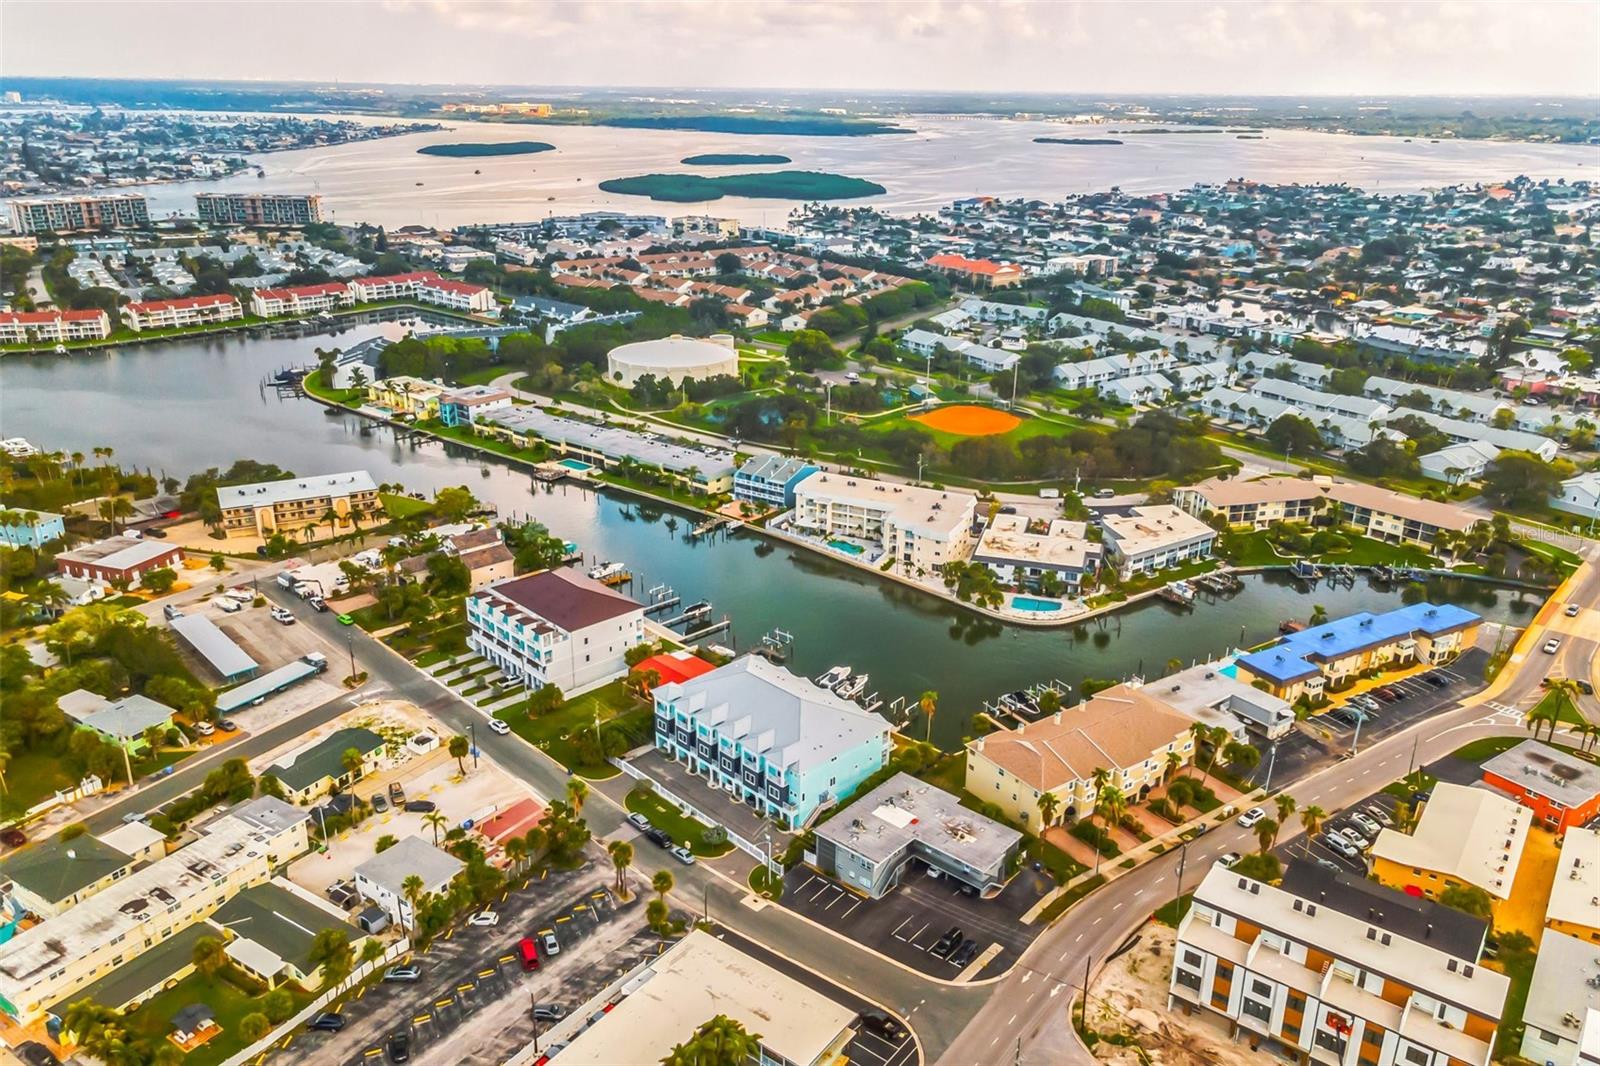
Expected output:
(258, 209)
(68, 213)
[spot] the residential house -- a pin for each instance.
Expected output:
(555, 628)
(463, 405)
(382, 878)
(31, 529)
(318, 768)
(53, 875)
(122, 721)
(1459, 463)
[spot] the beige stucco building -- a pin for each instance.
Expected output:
(270, 507)
(920, 529)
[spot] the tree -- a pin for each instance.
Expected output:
(254, 1026)
(1470, 899)
(1049, 804)
(929, 703)
(1292, 434)
(159, 580)
(1242, 757)
(459, 748)
(454, 504)
(351, 761)
(1286, 805)
(621, 858)
(1311, 819)
(384, 843)
(436, 821)
(330, 950)
(1266, 834)
(209, 956)
(1259, 866)
(1518, 480)
(411, 888)
(719, 1042)
(662, 883)
(278, 1005)
(577, 792)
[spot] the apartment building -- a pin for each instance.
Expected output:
(1561, 1022)
(267, 507)
(1337, 970)
(465, 405)
(978, 273)
(703, 470)
(1459, 463)
(769, 480)
(1371, 511)
(1562, 791)
(781, 744)
(382, 878)
(118, 560)
(1021, 551)
(20, 327)
(258, 209)
(48, 963)
(919, 529)
(66, 214)
(1466, 837)
(1125, 730)
(300, 299)
(426, 287)
(1311, 399)
(184, 311)
(555, 627)
(1154, 537)
(1099, 372)
(1574, 907)
(1325, 657)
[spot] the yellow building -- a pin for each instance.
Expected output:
(1465, 837)
(1123, 730)
(270, 507)
(406, 395)
(1574, 907)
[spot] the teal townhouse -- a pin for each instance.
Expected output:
(778, 743)
(31, 529)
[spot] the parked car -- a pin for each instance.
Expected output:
(965, 953)
(318, 604)
(12, 837)
(1368, 826)
(1337, 843)
(549, 1012)
(528, 952)
(402, 974)
(326, 1022)
(135, 816)
(947, 943)
(1251, 817)
(1354, 836)
(1436, 681)
(552, 946)
(227, 725)
(347, 619)
(379, 804)
(884, 1025)
(1573, 609)
(489, 919)
(36, 1054)
(421, 806)
(659, 837)
(399, 1048)
(204, 729)
(1387, 694)
(1552, 645)
(1367, 703)
(1378, 814)
(682, 854)
(497, 726)
(397, 793)
(282, 616)
(639, 821)
(228, 605)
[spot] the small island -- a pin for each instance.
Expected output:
(473, 150)
(1076, 140)
(778, 185)
(733, 159)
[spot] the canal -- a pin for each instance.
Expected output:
(182, 406)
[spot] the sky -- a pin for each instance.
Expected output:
(1484, 47)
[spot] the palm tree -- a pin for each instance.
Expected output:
(662, 883)
(1174, 761)
(1319, 614)
(1286, 805)
(436, 821)
(621, 858)
(1266, 834)
(1049, 804)
(929, 703)
(458, 746)
(719, 1042)
(516, 850)
(1200, 732)
(351, 761)
(1110, 804)
(577, 792)
(1311, 821)
(331, 517)
(1404, 815)
(1049, 701)
(412, 888)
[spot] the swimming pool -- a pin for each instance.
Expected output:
(1033, 603)
(576, 464)
(846, 547)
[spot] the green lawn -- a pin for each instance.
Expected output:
(313, 385)
(1565, 710)
(398, 506)
(1055, 425)
(559, 732)
(1254, 549)
(228, 1001)
(1518, 966)
(678, 826)
(35, 774)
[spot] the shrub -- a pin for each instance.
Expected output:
(1096, 837)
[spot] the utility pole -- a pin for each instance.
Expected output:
(1272, 760)
(1183, 858)
(472, 739)
(533, 1009)
(350, 642)
(1355, 741)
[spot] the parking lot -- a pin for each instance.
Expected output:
(472, 1002)
(909, 923)
(1317, 850)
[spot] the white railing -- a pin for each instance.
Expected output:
(394, 951)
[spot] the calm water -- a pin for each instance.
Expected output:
(386, 182)
(179, 407)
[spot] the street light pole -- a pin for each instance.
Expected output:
(350, 642)
(1272, 760)
(472, 738)
(533, 1009)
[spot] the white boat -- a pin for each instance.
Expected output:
(852, 687)
(834, 677)
(601, 571)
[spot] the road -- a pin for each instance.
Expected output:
(1030, 1005)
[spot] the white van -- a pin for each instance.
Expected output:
(1049, 494)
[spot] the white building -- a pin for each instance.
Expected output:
(1579, 495)
(1154, 537)
(920, 529)
(1459, 463)
(382, 878)
(1019, 555)
(989, 360)
(555, 628)
(1561, 1022)
(184, 311)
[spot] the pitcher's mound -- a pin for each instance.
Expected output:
(969, 421)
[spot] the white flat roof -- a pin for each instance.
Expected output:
(1469, 833)
(936, 511)
(1575, 892)
(694, 982)
(267, 493)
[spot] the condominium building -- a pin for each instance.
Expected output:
(406, 395)
(1562, 791)
(1154, 537)
(68, 213)
(267, 507)
(769, 480)
(464, 405)
(184, 311)
(701, 469)
(1337, 970)
(300, 300)
(555, 628)
(1374, 512)
(978, 273)
(20, 327)
(1574, 907)
(426, 286)
(781, 744)
(258, 209)
(1325, 657)
(49, 962)
(387, 286)
(1021, 551)
(1466, 837)
(1561, 1022)
(917, 529)
(1124, 730)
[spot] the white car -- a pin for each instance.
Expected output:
(1353, 835)
(497, 726)
(1251, 817)
(205, 729)
(1337, 843)
(282, 616)
(1228, 860)
(1551, 646)
(1573, 609)
(489, 918)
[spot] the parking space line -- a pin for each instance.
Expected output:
(853, 906)
(896, 931)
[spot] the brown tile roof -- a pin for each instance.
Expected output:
(571, 601)
(1117, 728)
(478, 558)
(1219, 493)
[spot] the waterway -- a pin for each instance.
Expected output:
(186, 405)
(386, 182)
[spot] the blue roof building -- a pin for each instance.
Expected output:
(1305, 663)
(769, 480)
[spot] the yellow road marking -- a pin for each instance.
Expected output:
(464, 988)
(371, 1051)
(487, 973)
(421, 1018)
(445, 1002)
(508, 958)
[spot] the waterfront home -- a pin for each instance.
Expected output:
(54, 326)
(1329, 656)
(123, 722)
(1459, 463)
(1371, 511)
(1021, 551)
(426, 287)
(1154, 537)
(869, 845)
(701, 469)
(300, 299)
(1467, 837)
(264, 508)
(919, 529)
(769, 480)
(463, 405)
(183, 311)
(403, 394)
(119, 560)
(1125, 730)
(382, 878)
(1207, 694)
(1335, 969)
(31, 529)
(555, 627)
(778, 743)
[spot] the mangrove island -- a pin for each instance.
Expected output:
(733, 159)
(471, 150)
(778, 185)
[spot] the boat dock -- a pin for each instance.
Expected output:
(709, 526)
(1026, 705)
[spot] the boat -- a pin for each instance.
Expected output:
(851, 687)
(694, 610)
(1305, 570)
(1178, 592)
(1290, 625)
(1023, 703)
(833, 677)
(606, 570)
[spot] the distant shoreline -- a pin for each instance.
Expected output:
(733, 159)
(1076, 140)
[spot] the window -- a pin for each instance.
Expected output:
(1297, 1001)
(1330, 1041)
(1192, 958)
(1261, 988)
(1372, 1035)
(1260, 1011)
(1418, 1057)
(1186, 979)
